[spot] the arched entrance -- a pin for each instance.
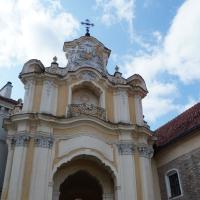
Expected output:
(80, 186)
(83, 178)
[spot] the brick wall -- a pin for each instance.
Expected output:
(188, 166)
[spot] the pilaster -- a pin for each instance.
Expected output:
(121, 107)
(127, 188)
(41, 167)
(49, 97)
(145, 155)
(19, 143)
(28, 96)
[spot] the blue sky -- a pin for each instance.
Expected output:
(158, 39)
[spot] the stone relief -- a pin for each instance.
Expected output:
(75, 110)
(126, 148)
(85, 54)
(88, 76)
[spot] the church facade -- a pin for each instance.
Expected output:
(80, 133)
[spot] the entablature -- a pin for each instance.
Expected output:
(63, 122)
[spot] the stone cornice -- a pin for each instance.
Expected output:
(64, 122)
(107, 79)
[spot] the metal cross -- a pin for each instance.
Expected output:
(87, 24)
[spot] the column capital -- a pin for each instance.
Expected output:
(126, 148)
(44, 141)
(19, 140)
(145, 151)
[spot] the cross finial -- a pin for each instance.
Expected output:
(116, 69)
(87, 24)
(55, 59)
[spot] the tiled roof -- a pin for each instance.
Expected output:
(179, 126)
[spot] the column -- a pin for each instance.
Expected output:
(121, 107)
(146, 153)
(49, 97)
(41, 166)
(8, 169)
(15, 183)
(127, 188)
(28, 96)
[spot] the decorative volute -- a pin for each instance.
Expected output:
(86, 51)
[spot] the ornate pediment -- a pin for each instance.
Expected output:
(86, 52)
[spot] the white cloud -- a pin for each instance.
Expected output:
(176, 54)
(115, 11)
(181, 45)
(33, 29)
(159, 101)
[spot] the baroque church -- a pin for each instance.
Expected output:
(80, 135)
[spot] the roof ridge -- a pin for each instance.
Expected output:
(176, 127)
(180, 115)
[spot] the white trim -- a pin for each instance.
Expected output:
(168, 188)
(86, 152)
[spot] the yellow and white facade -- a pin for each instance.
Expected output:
(79, 123)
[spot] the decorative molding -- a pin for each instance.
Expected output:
(75, 110)
(56, 70)
(117, 80)
(19, 140)
(126, 148)
(86, 53)
(145, 151)
(88, 76)
(43, 142)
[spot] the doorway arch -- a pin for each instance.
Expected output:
(68, 175)
(81, 186)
